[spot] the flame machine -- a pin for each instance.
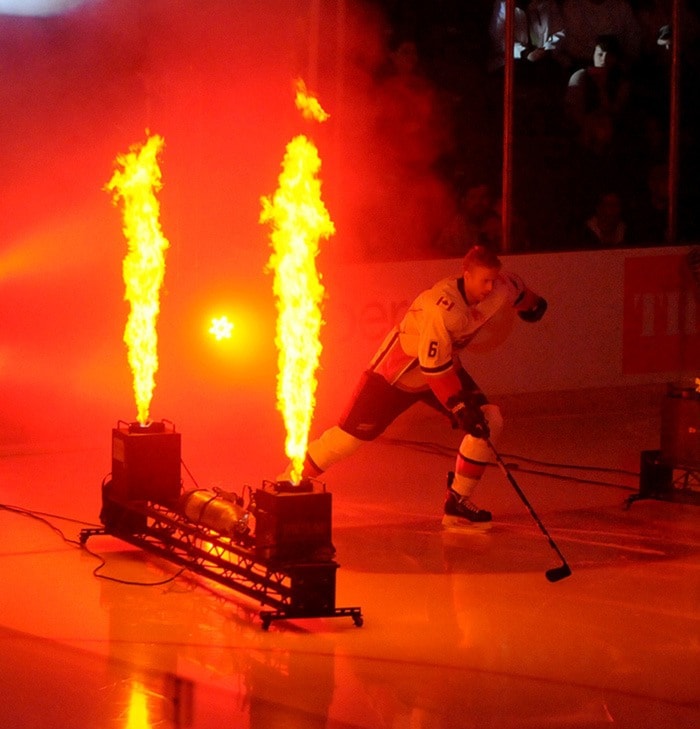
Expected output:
(277, 548)
(672, 472)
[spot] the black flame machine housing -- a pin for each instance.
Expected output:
(672, 472)
(146, 462)
(278, 548)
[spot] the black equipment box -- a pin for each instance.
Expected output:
(313, 588)
(145, 463)
(672, 472)
(680, 427)
(292, 525)
(655, 477)
(660, 480)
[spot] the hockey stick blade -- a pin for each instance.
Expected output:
(558, 573)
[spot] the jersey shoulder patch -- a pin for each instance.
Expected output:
(444, 303)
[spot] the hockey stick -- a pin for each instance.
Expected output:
(556, 573)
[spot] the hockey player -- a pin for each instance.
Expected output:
(419, 362)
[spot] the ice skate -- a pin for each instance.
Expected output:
(462, 513)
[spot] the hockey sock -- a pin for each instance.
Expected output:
(332, 446)
(474, 454)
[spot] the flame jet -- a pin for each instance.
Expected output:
(309, 105)
(299, 220)
(135, 182)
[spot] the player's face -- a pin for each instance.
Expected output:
(478, 283)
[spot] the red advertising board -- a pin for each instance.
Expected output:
(660, 328)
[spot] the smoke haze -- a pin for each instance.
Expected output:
(216, 80)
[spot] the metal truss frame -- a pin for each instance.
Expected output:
(293, 589)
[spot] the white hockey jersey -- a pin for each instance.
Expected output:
(438, 324)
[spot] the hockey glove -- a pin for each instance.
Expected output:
(535, 313)
(468, 415)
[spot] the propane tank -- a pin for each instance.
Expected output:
(212, 510)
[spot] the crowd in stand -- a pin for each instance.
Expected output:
(591, 117)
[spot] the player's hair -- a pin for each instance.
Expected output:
(480, 256)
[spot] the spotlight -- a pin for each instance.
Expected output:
(221, 328)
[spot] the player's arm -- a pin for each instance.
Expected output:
(445, 383)
(435, 358)
(465, 409)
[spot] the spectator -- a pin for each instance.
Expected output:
(606, 228)
(476, 222)
(649, 217)
(597, 96)
(586, 20)
(539, 77)
(412, 119)
(539, 30)
(411, 135)
(653, 17)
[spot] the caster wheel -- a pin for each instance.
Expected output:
(358, 620)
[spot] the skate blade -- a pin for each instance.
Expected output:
(458, 524)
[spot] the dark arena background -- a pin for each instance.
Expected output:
(346, 605)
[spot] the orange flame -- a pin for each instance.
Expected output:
(143, 268)
(308, 105)
(299, 220)
(137, 716)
